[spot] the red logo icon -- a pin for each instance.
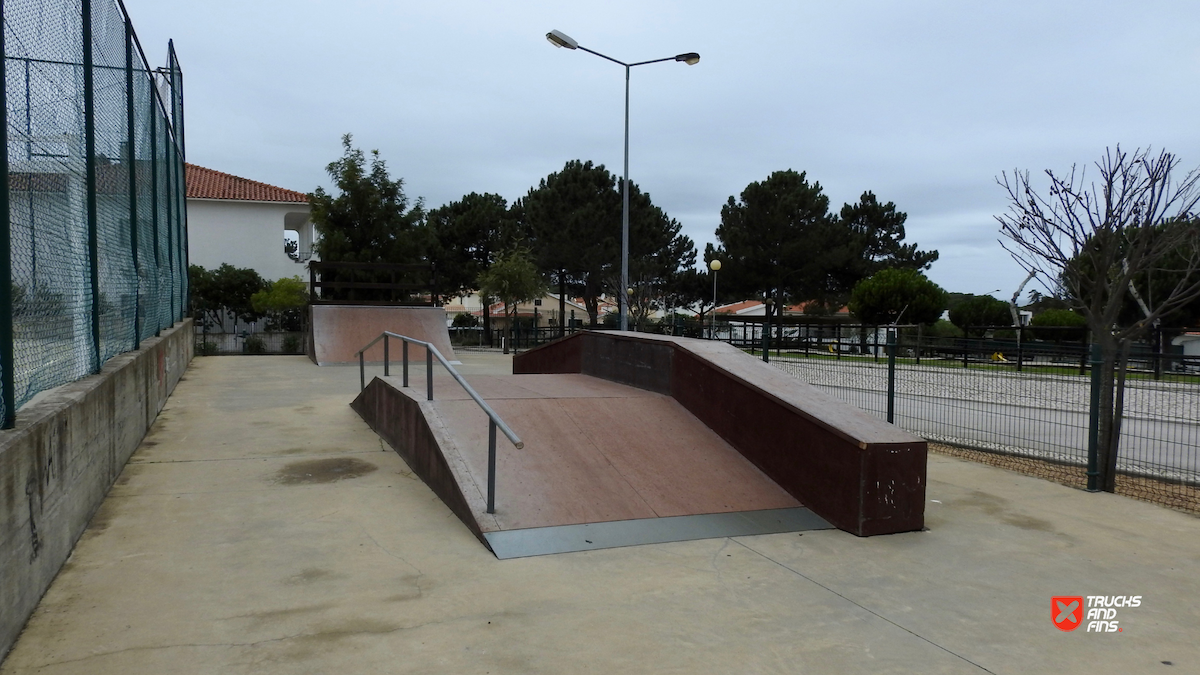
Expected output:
(1066, 611)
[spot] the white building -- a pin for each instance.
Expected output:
(244, 223)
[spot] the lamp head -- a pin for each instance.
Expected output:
(715, 265)
(690, 58)
(561, 39)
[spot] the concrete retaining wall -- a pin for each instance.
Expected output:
(66, 451)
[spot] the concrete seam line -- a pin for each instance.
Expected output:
(865, 609)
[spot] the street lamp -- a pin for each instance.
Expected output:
(715, 266)
(560, 39)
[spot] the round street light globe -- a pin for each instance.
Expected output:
(715, 265)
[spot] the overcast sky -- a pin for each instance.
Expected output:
(923, 103)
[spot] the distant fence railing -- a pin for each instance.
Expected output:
(352, 283)
(94, 234)
(1040, 412)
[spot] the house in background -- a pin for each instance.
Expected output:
(244, 223)
(543, 312)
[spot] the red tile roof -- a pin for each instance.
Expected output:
(205, 183)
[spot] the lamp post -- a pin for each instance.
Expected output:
(715, 266)
(560, 39)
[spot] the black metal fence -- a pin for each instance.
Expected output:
(356, 283)
(94, 235)
(975, 393)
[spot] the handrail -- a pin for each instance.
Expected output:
(494, 420)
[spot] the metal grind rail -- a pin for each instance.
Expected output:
(494, 420)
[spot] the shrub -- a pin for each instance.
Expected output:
(1059, 324)
(291, 344)
(254, 345)
(981, 312)
(897, 295)
(944, 329)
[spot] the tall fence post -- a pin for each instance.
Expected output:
(154, 210)
(386, 365)
(6, 306)
(131, 163)
(891, 387)
(89, 127)
(1093, 462)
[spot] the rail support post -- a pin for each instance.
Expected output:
(491, 487)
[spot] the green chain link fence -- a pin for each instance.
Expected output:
(94, 231)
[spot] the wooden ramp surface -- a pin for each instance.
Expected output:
(596, 451)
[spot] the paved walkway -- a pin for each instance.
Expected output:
(262, 528)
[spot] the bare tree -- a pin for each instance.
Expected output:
(1099, 241)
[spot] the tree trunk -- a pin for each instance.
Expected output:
(1110, 468)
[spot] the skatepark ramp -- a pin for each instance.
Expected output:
(632, 438)
(336, 331)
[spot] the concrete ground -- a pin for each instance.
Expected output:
(263, 528)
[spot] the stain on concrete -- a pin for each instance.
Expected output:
(341, 630)
(103, 518)
(416, 586)
(131, 470)
(316, 451)
(308, 576)
(323, 471)
(1028, 522)
(270, 618)
(318, 640)
(998, 507)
